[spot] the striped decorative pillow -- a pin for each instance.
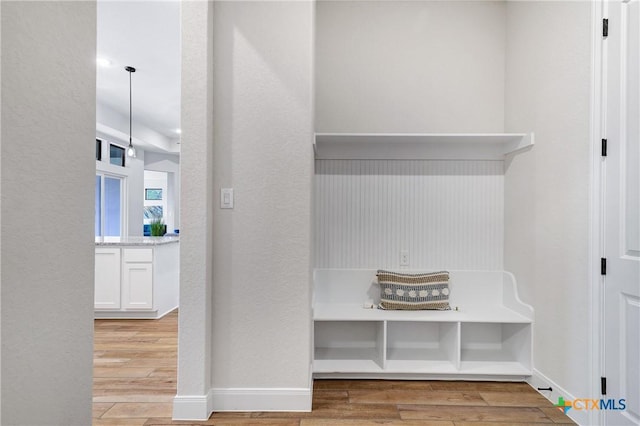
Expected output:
(414, 291)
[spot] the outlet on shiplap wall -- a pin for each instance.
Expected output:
(445, 214)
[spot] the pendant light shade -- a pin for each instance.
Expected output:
(131, 151)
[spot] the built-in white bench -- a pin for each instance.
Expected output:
(486, 335)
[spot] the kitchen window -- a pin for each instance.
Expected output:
(98, 150)
(116, 155)
(109, 207)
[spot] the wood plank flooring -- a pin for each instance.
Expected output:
(135, 381)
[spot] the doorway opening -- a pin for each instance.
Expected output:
(137, 270)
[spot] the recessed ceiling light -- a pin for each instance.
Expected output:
(178, 131)
(103, 62)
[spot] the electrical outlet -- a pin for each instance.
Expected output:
(404, 257)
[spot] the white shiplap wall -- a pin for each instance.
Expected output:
(447, 214)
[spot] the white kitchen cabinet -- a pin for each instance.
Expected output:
(137, 285)
(107, 278)
(136, 277)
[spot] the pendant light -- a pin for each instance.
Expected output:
(131, 151)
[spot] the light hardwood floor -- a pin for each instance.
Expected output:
(135, 381)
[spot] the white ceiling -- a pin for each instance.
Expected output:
(146, 36)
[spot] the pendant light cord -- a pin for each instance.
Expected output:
(130, 110)
(130, 70)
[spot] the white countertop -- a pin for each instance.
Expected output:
(135, 241)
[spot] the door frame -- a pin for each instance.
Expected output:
(597, 205)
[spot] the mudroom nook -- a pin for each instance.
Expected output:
(416, 203)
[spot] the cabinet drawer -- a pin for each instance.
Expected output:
(138, 255)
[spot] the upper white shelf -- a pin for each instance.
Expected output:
(419, 146)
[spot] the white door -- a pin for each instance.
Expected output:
(622, 213)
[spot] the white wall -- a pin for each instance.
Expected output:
(169, 163)
(161, 162)
(116, 125)
(447, 214)
(410, 66)
(263, 56)
(193, 400)
(547, 190)
(48, 100)
(135, 187)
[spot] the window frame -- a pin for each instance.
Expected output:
(124, 155)
(124, 219)
(98, 149)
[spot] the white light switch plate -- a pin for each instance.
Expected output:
(226, 198)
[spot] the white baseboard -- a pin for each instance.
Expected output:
(200, 407)
(192, 407)
(539, 380)
(168, 310)
(261, 399)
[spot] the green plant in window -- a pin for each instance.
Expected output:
(157, 227)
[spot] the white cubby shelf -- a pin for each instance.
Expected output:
(420, 146)
(488, 336)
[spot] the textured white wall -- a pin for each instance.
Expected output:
(547, 189)
(410, 66)
(263, 54)
(48, 101)
(447, 214)
(197, 196)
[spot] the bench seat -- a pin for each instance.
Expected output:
(487, 335)
(465, 313)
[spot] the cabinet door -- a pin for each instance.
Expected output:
(137, 286)
(107, 278)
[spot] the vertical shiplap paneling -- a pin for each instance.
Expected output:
(448, 214)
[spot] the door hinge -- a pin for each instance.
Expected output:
(605, 27)
(604, 147)
(603, 266)
(603, 385)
